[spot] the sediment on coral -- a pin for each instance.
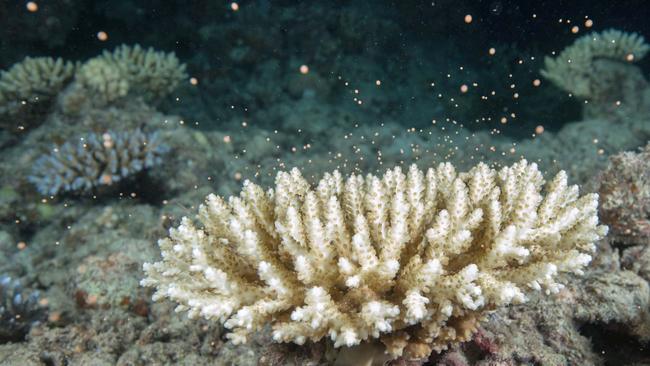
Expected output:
(411, 261)
(96, 160)
(20, 308)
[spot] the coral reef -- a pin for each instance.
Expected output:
(625, 197)
(27, 87)
(546, 330)
(413, 260)
(96, 160)
(19, 309)
(383, 84)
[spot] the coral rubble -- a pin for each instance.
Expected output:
(414, 260)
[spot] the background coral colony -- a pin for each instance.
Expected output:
(347, 183)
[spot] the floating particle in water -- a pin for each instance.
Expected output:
(539, 129)
(226, 139)
(629, 57)
(31, 6)
(492, 51)
(304, 69)
(194, 81)
(102, 36)
(234, 6)
(589, 23)
(468, 18)
(537, 82)
(108, 141)
(496, 8)
(575, 29)
(378, 82)
(463, 88)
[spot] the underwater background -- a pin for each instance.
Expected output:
(118, 118)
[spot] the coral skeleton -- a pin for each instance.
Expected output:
(576, 68)
(413, 260)
(96, 160)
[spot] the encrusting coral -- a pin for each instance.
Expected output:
(413, 260)
(96, 160)
(578, 69)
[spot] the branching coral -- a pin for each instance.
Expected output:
(105, 79)
(113, 74)
(414, 260)
(32, 81)
(34, 78)
(96, 160)
(577, 69)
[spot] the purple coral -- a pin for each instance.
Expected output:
(96, 160)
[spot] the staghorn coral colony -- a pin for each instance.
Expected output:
(413, 260)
